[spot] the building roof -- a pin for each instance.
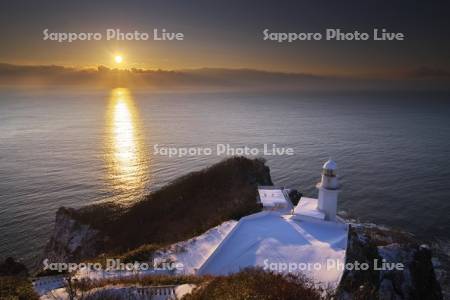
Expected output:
(272, 196)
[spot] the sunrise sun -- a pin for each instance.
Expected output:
(118, 59)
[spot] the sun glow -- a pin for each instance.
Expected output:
(118, 59)
(125, 154)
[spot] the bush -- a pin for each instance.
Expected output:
(251, 283)
(14, 287)
(256, 284)
(10, 267)
(185, 208)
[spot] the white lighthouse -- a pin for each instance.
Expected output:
(328, 191)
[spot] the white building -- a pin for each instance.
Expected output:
(328, 191)
(274, 198)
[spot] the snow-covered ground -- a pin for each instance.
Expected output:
(191, 253)
(194, 252)
(43, 285)
(307, 208)
(275, 241)
(59, 294)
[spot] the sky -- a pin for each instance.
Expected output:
(228, 34)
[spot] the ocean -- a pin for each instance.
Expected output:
(73, 147)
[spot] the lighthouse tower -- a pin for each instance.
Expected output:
(328, 191)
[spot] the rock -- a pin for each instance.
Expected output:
(415, 281)
(295, 196)
(10, 267)
(72, 240)
(424, 282)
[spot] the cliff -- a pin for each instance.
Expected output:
(72, 240)
(187, 207)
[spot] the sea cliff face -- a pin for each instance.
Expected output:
(71, 240)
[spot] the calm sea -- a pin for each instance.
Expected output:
(72, 148)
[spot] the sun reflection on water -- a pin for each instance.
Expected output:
(125, 155)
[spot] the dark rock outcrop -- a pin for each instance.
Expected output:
(294, 196)
(374, 245)
(72, 240)
(10, 267)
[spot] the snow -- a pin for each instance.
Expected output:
(269, 239)
(183, 289)
(308, 207)
(45, 284)
(265, 239)
(60, 293)
(272, 240)
(194, 252)
(191, 253)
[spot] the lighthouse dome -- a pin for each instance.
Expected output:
(328, 190)
(330, 165)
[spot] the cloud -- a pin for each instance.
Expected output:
(201, 79)
(182, 79)
(429, 72)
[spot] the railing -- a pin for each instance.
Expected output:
(162, 290)
(53, 282)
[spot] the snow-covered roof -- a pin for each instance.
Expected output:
(271, 239)
(308, 207)
(271, 197)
